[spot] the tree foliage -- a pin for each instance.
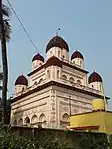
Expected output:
(13, 140)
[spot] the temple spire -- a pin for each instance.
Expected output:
(57, 32)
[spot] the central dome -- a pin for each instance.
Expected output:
(57, 41)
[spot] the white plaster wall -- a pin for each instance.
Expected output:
(37, 76)
(76, 75)
(34, 104)
(19, 88)
(36, 64)
(97, 86)
(79, 62)
(79, 103)
(55, 51)
(53, 102)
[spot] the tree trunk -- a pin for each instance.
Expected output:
(5, 67)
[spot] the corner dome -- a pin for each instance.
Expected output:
(38, 57)
(77, 54)
(94, 77)
(53, 61)
(57, 41)
(21, 80)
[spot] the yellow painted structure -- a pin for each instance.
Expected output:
(97, 120)
(98, 104)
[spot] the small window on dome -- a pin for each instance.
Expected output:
(63, 56)
(80, 63)
(58, 53)
(100, 87)
(23, 89)
(57, 74)
(92, 86)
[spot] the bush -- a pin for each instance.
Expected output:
(52, 139)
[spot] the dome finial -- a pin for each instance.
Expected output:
(57, 32)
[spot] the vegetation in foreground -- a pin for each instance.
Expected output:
(52, 140)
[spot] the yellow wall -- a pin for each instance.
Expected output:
(101, 119)
(108, 121)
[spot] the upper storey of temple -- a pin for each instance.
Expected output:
(58, 67)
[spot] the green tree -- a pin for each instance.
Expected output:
(5, 30)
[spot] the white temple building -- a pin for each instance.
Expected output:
(56, 88)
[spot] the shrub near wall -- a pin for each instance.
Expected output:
(28, 138)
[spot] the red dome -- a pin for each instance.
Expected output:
(21, 80)
(38, 57)
(94, 77)
(57, 41)
(53, 61)
(77, 54)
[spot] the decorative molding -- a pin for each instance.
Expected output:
(65, 109)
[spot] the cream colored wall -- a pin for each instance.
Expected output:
(37, 76)
(53, 102)
(97, 86)
(36, 64)
(79, 103)
(78, 62)
(55, 51)
(18, 89)
(34, 104)
(75, 74)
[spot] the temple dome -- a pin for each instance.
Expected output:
(77, 54)
(94, 77)
(57, 41)
(21, 80)
(38, 57)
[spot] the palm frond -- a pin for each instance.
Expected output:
(7, 29)
(6, 11)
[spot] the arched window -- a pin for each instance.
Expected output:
(100, 87)
(35, 83)
(78, 82)
(15, 122)
(58, 53)
(57, 74)
(22, 89)
(40, 81)
(27, 120)
(48, 74)
(64, 77)
(80, 63)
(42, 118)
(63, 56)
(71, 80)
(34, 119)
(65, 117)
(20, 122)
